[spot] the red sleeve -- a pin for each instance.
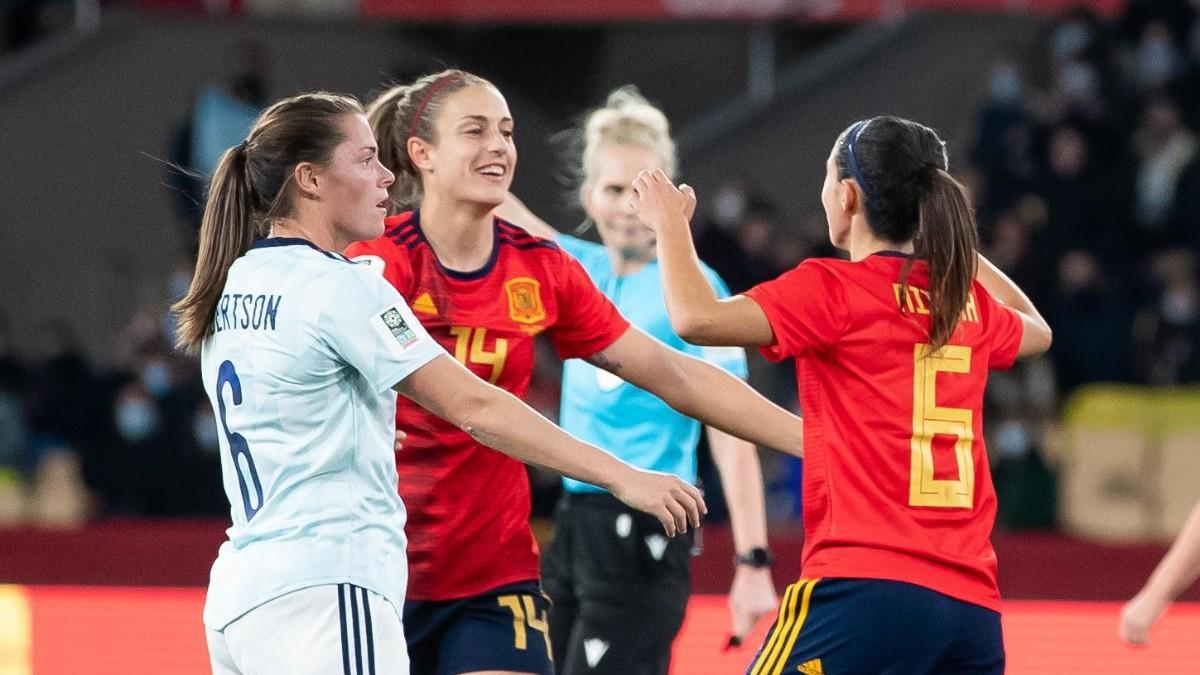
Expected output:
(587, 321)
(806, 307)
(1003, 328)
(385, 257)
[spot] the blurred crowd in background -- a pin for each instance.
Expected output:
(1086, 172)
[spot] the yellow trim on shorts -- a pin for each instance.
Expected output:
(783, 625)
(791, 641)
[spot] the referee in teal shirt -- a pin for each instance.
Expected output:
(619, 587)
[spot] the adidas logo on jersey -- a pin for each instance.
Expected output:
(811, 667)
(424, 304)
(657, 545)
(594, 649)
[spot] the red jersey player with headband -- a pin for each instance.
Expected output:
(892, 349)
(484, 289)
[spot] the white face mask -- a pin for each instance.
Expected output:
(729, 207)
(156, 377)
(1179, 307)
(1157, 61)
(1012, 439)
(1005, 85)
(1070, 39)
(136, 419)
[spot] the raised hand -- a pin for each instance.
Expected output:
(659, 203)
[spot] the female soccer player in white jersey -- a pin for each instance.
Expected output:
(301, 350)
(589, 572)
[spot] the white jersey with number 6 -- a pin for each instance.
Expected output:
(305, 350)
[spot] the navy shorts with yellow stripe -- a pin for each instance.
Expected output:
(505, 628)
(872, 626)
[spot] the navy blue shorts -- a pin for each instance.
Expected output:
(503, 629)
(871, 626)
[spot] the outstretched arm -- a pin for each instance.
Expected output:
(697, 314)
(1177, 571)
(701, 390)
(498, 419)
(752, 595)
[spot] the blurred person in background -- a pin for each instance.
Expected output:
(484, 288)
(66, 420)
(219, 117)
(610, 578)
(1021, 401)
(910, 544)
(1167, 329)
(1164, 148)
(1092, 316)
(312, 350)
(14, 430)
(1156, 61)
(1085, 200)
(736, 240)
(1004, 138)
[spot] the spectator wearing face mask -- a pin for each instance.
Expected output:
(1168, 327)
(1003, 150)
(1165, 148)
(1156, 60)
(1091, 319)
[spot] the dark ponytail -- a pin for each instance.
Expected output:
(908, 194)
(226, 233)
(948, 240)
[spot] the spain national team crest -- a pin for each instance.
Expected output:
(525, 300)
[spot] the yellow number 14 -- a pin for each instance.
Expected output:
(525, 614)
(468, 349)
(930, 419)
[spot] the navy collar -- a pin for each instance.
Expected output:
(456, 274)
(271, 242)
(274, 242)
(894, 254)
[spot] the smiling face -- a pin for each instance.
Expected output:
(608, 198)
(353, 184)
(474, 155)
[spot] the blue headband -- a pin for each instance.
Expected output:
(851, 160)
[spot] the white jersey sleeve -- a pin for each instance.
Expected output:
(366, 323)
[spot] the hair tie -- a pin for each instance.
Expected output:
(925, 174)
(433, 88)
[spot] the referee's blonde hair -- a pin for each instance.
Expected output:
(626, 118)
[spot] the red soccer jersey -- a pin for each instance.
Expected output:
(896, 481)
(468, 505)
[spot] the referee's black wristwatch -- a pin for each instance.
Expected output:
(757, 558)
